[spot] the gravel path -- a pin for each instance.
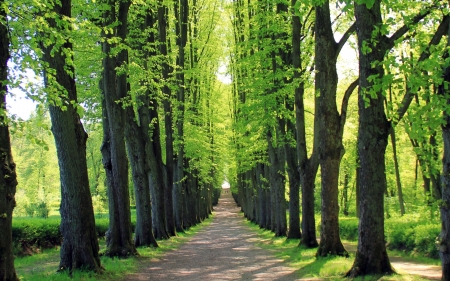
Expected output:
(226, 250)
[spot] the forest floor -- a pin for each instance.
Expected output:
(227, 250)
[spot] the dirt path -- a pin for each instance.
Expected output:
(226, 250)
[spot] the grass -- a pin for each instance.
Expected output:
(328, 268)
(43, 266)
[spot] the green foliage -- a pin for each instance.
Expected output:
(409, 233)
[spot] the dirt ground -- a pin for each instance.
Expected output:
(225, 250)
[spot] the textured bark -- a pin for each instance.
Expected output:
(137, 137)
(119, 235)
(444, 237)
(157, 183)
(307, 166)
(330, 139)
(294, 187)
(181, 9)
(308, 173)
(8, 178)
(79, 249)
(371, 256)
(169, 178)
(277, 181)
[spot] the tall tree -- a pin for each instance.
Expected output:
(8, 179)
(181, 9)
(371, 256)
(79, 249)
(163, 24)
(444, 237)
(114, 86)
(330, 127)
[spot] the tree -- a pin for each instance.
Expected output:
(80, 245)
(444, 237)
(371, 256)
(330, 127)
(8, 179)
(114, 86)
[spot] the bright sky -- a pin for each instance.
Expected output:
(18, 104)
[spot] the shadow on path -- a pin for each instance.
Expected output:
(221, 251)
(226, 250)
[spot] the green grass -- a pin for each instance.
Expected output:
(43, 266)
(308, 266)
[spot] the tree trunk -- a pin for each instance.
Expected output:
(181, 9)
(79, 249)
(308, 173)
(168, 193)
(444, 237)
(119, 235)
(279, 224)
(8, 178)
(157, 186)
(397, 173)
(137, 137)
(294, 187)
(371, 256)
(330, 142)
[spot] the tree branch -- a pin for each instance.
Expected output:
(409, 95)
(344, 105)
(344, 38)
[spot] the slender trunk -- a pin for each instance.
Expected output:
(8, 177)
(397, 173)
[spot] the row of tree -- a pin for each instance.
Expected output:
(131, 66)
(285, 51)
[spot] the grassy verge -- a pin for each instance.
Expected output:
(308, 266)
(43, 266)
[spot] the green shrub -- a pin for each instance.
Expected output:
(348, 228)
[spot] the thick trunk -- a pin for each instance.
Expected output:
(119, 235)
(371, 256)
(136, 141)
(8, 178)
(79, 249)
(330, 143)
(157, 186)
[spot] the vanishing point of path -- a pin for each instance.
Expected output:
(226, 250)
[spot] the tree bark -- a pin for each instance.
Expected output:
(169, 178)
(331, 149)
(79, 249)
(277, 181)
(181, 9)
(119, 235)
(444, 237)
(8, 177)
(371, 256)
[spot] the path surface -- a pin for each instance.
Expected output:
(226, 250)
